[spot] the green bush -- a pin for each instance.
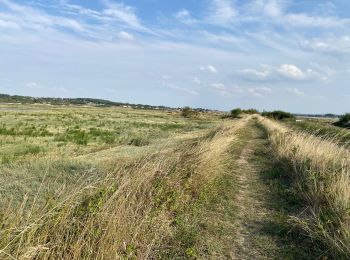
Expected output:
(278, 115)
(139, 141)
(250, 111)
(236, 112)
(344, 121)
(188, 112)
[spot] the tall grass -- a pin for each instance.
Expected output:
(130, 213)
(323, 129)
(321, 170)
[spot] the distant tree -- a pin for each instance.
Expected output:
(236, 112)
(344, 121)
(188, 112)
(330, 115)
(278, 115)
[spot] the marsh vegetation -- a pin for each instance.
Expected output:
(113, 183)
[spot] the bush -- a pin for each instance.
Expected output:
(250, 111)
(188, 112)
(278, 115)
(139, 141)
(344, 121)
(236, 112)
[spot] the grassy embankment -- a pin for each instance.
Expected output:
(244, 212)
(321, 174)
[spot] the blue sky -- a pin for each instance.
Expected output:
(219, 54)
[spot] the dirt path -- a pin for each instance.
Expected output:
(249, 205)
(252, 199)
(248, 219)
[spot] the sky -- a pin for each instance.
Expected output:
(292, 55)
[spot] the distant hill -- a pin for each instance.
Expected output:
(4, 98)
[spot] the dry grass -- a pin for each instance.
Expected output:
(321, 172)
(126, 213)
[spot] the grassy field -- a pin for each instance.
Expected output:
(57, 159)
(61, 145)
(120, 183)
(323, 128)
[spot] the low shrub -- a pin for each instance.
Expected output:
(189, 112)
(250, 111)
(278, 115)
(344, 121)
(235, 112)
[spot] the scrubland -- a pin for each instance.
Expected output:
(113, 183)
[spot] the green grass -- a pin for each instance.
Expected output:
(129, 184)
(322, 128)
(96, 163)
(56, 147)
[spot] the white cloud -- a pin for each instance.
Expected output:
(123, 13)
(73, 9)
(33, 85)
(209, 68)
(231, 91)
(126, 36)
(184, 16)
(275, 12)
(115, 20)
(224, 91)
(291, 71)
(273, 8)
(285, 72)
(295, 91)
(269, 8)
(218, 86)
(9, 24)
(221, 12)
(182, 89)
(324, 70)
(332, 45)
(113, 12)
(259, 91)
(28, 17)
(305, 20)
(255, 74)
(196, 80)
